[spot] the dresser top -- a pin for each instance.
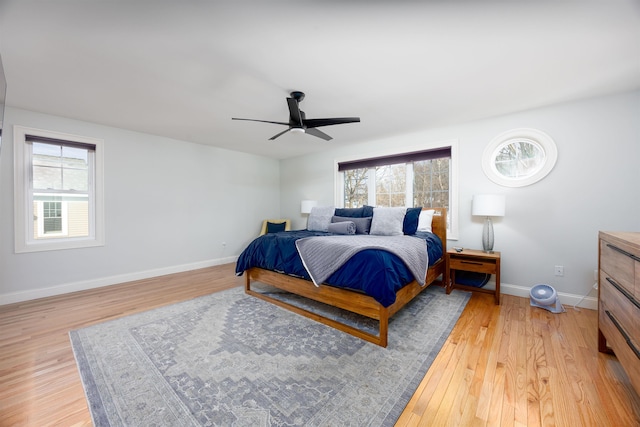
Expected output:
(624, 237)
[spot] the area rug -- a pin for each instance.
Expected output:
(228, 359)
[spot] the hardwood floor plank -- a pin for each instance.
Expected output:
(504, 365)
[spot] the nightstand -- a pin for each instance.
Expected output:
(472, 260)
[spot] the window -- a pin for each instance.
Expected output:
(519, 157)
(51, 218)
(391, 185)
(58, 190)
(426, 177)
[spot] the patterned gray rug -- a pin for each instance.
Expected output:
(228, 359)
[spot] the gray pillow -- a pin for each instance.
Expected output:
(387, 221)
(320, 218)
(344, 227)
(362, 224)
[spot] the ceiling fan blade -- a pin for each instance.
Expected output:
(280, 134)
(262, 121)
(319, 134)
(294, 112)
(314, 123)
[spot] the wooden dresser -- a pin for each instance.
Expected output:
(619, 300)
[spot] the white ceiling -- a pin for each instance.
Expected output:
(182, 69)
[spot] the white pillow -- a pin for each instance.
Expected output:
(387, 221)
(320, 218)
(425, 219)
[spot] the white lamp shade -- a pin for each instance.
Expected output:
(488, 205)
(306, 205)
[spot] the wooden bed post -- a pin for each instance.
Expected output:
(383, 327)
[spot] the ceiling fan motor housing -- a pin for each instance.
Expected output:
(297, 95)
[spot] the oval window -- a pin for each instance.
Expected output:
(519, 157)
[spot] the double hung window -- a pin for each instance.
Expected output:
(58, 190)
(425, 177)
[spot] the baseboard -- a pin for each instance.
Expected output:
(568, 300)
(14, 297)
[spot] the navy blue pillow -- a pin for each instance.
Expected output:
(276, 227)
(410, 224)
(349, 212)
(367, 211)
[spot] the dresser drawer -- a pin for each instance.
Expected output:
(638, 280)
(622, 304)
(618, 263)
(626, 349)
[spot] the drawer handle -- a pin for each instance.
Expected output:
(624, 334)
(623, 291)
(471, 262)
(622, 251)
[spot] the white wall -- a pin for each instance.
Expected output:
(171, 204)
(594, 186)
(169, 207)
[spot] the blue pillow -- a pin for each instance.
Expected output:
(349, 212)
(410, 224)
(276, 227)
(367, 211)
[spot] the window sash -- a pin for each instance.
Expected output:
(34, 194)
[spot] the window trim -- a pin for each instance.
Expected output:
(452, 232)
(22, 227)
(531, 136)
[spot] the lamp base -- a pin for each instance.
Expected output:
(487, 236)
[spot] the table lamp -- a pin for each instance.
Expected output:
(488, 205)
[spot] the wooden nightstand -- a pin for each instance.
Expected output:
(472, 260)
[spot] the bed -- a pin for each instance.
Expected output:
(354, 287)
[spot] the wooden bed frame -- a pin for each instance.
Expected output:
(346, 299)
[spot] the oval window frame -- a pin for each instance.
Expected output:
(533, 136)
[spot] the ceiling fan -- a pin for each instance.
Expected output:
(299, 123)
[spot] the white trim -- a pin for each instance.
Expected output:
(408, 176)
(23, 228)
(14, 297)
(568, 300)
(371, 190)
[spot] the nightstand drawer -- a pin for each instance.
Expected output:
(472, 264)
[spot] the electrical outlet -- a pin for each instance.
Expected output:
(559, 270)
(595, 286)
(595, 275)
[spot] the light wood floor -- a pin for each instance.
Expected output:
(501, 366)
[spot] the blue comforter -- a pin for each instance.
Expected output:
(377, 273)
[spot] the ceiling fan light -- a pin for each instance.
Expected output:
(297, 130)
